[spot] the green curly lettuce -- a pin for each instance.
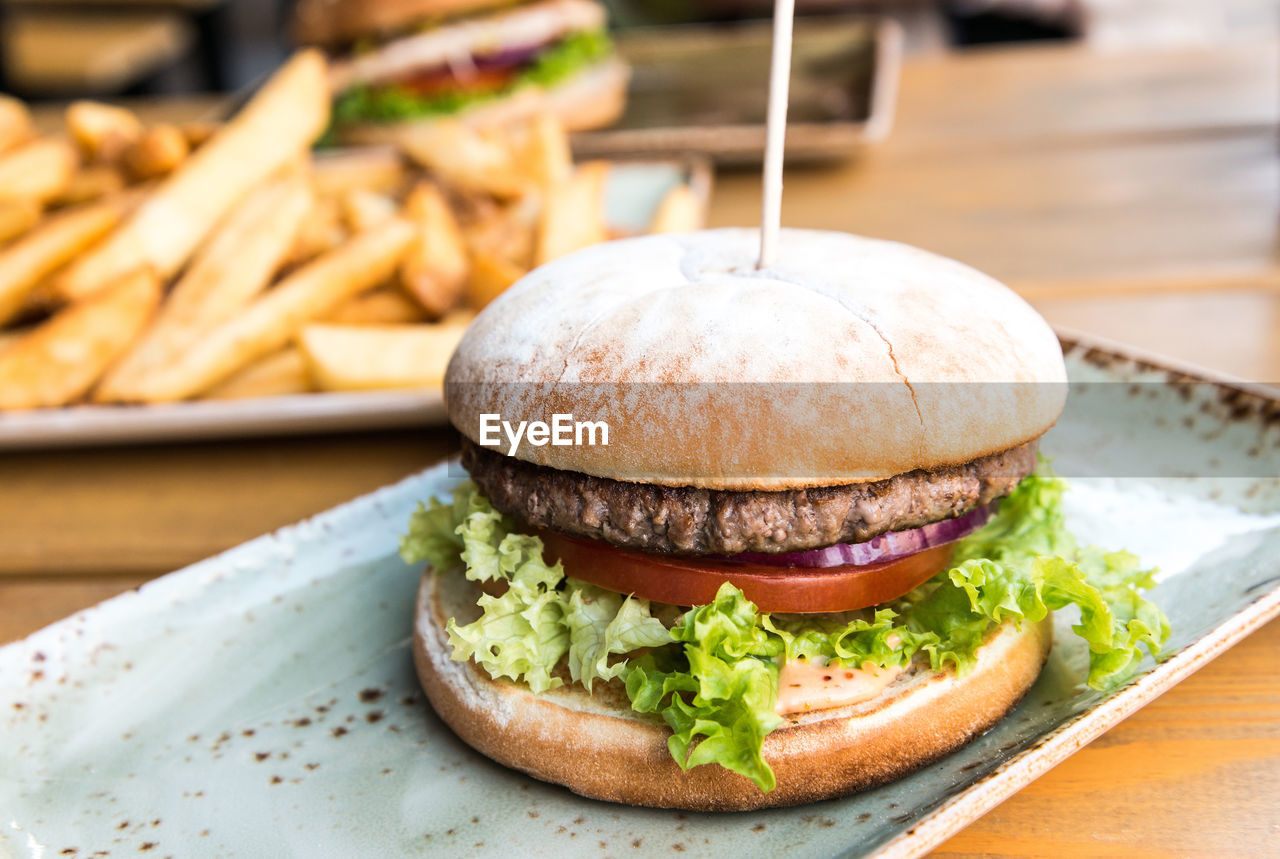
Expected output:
(713, 677)
(520, 634)
(393, 102)
(847, 639)
(718, 692)
(602, 623)
(433, 529)
(1024, 564)
(541, 617)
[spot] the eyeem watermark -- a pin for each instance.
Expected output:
(563, 431)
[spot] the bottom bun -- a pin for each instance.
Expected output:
(591, 99)
(597, 746)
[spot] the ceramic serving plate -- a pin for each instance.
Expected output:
(634, 190)
(263, 702)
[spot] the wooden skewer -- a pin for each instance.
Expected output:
(776, 131)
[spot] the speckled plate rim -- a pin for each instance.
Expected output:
(954, 814)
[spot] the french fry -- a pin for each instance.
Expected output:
(369, 357)
(58, 362)
(198, 132)
(434, 269)
(278, 374)
(37, 170)
(385, 306)
(322, 230)
(274, 318)
(243, 255)
(467, 158)
(158, 152)
(504, 229)
(490, 277)
(38, 253)
(546, 154)
(43, 298)
(102, 131)
(371, 168)
(363, 210)
(237, 263)
(15, 123)
(18, 216)
(681, 211)
(12, 337)
(277, 125)
(573, 213)
(90, 183)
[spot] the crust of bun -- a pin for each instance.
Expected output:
(598, 747)
(334, 22)
(593, 98)
(850, 359)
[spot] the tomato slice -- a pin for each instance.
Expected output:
(475, 80)
(689, 581)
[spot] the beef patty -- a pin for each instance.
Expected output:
(690, 521)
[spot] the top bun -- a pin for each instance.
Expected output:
(334, 22)
(848, 360)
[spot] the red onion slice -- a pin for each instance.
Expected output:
(886, 547)
(508, 57)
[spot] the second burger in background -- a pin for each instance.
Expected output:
(398, 63)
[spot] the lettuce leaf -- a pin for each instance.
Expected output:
(1024, 564)
(718, 694)
(602, 623)
(847, 639)
(542, 616)
(433, 529)
(393, 102)
(520, 634)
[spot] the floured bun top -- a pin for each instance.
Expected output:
(850, 359)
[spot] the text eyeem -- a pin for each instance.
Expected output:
(563, 431)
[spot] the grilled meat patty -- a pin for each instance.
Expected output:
(691, 521)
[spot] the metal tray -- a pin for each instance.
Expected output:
(264, 703)
(702, 88)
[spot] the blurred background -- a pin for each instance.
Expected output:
(100, 48)
(1114, 161)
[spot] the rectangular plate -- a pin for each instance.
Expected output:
(632, 195)
(263, 702)
(702, 88)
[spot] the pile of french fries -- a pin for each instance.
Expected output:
(153, 264)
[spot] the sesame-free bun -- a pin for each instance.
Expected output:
(850, 359)
(597, 746)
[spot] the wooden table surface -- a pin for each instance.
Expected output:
(1134, 196)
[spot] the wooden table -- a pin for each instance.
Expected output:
(1133, 196)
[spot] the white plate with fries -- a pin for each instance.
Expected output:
(166, 282)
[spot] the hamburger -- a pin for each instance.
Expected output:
(401, 63)
(817, 552)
